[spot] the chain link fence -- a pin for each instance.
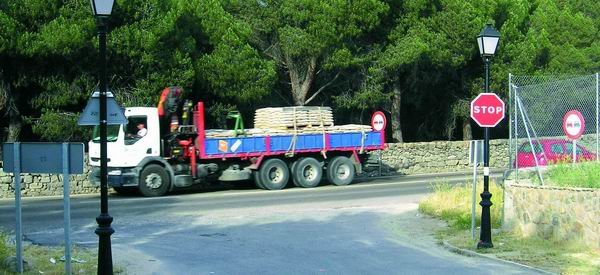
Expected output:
(537, 107)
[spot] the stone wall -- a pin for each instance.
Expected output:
(34, 185)
(405, 158)
(439, 156)
(553, 212)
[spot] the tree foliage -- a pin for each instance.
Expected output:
(417, 60)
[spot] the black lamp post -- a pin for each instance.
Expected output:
(488, 42)
(102, 10)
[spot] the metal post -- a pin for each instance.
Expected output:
(574, 151)
(379, 162)
(525, 122)
(66, 207)
(104, 220)
(18, 214)
(597, 115)
(474, 187)
(485, 238)
(516, 139)
(510, 125)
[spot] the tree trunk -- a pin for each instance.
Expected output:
(466, 129)
(301, 79)
(14, 126)
(396, 107)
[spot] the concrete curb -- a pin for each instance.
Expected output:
(470, 253)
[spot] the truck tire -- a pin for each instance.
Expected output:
(154, 181)
(292, 166)
(307, 172)
(273, 174)
(257, 182)
(340, 171)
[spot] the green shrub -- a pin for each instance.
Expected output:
(453, 204)
(583, 174)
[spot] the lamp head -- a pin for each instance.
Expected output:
(488, 41)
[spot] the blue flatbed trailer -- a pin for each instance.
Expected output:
(235, 147)
(274, 160)
(290, 144)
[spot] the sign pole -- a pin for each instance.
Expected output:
(67, 206)
(574, 151)
(485, 236)
(485, 239)
(18, 229)
(473, 194)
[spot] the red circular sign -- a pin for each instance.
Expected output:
(573, 124)
(487, 109)
(378, 121)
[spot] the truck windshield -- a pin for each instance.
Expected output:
(112, 133)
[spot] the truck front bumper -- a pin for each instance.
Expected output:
(117, 177)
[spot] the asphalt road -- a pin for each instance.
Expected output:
(366, 228)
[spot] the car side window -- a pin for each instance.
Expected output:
(526, 148)
(557, 148)
(570, 149)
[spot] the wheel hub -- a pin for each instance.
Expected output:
(343, 172)
(275, 175)
(153, 181)
(309, 172)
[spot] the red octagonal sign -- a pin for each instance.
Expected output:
(487, 109)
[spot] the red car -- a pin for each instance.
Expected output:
(555, 150)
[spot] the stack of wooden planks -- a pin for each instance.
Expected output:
(284, 118)
(291, 121)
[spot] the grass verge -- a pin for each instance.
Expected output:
(453, 205)
(46, 260)
(584, 174)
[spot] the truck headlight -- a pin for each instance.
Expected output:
(114, 173)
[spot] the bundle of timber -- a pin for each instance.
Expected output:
(293, 117)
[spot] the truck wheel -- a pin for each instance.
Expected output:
(154, 181)
(292, 166)
(257, 182)
(273, 174)
(340, 171)
(307, 173)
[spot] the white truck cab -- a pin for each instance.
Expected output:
(128, 153)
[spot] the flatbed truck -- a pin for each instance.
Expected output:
(156, 164)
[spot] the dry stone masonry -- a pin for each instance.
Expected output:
(404, 158)
(34, 185)
(564, 214)
(439, 156)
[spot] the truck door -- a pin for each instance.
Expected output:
(138, 137)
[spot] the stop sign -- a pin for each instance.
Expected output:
(487, 109)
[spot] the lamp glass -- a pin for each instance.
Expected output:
(102, 7)
(488, 45)
(488, 40)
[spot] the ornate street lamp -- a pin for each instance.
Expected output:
(488, 42)
(102, 10)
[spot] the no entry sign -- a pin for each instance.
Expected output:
(573, 124)
(487, 109)
(378, 121)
